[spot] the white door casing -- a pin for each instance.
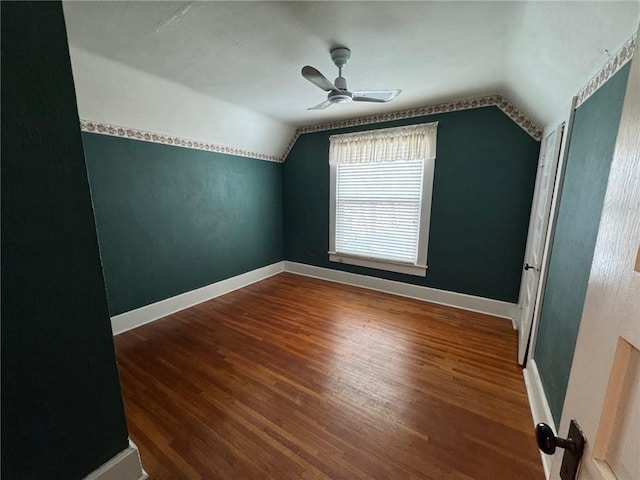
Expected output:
(563, 156)
(603, 393)
(538, 224)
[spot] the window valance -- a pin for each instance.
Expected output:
(409, 143)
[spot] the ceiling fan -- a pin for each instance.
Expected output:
(338, 92)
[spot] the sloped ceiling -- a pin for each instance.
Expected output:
(247, 56)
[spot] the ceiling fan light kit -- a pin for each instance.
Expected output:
(338, 91)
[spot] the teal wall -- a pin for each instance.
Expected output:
(173, 219)
(62, 413)
(483, 186)
(590, 154)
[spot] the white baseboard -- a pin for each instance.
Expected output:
(125, 465)
(149, 313)
(140, 316)
(540, 410)
(433, 295)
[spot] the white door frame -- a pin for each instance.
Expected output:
(528, 327)
(551, 227)
(538, 224)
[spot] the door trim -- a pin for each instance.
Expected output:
(548, 163)
(556, 197)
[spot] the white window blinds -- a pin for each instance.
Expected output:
(378, 188)
(378, 210)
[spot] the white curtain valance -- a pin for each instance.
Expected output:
(413, 142)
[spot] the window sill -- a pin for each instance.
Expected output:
(390, 266)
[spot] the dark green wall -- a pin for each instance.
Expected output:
(483, 187)
(62, 414)
(590, 154)
(173, 219)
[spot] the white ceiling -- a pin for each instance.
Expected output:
(537, 54)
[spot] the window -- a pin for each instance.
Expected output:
(381, 183)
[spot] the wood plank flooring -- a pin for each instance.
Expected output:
(297, 378)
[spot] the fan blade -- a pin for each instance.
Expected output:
(319, 80)
(321, 106)
(379, 96)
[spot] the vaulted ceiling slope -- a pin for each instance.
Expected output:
(229, 72)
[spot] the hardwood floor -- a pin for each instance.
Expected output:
(297, 378)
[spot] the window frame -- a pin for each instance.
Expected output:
(419, 268)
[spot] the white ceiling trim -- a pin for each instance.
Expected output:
(126, 132)
(619, 60)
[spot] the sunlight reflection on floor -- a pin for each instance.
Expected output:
(369, 366)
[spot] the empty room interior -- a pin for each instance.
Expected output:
(320, 240)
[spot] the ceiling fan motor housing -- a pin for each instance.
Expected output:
(342, 96)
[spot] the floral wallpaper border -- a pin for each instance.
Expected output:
(488, 101)
(616, 62)
(116, 131)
